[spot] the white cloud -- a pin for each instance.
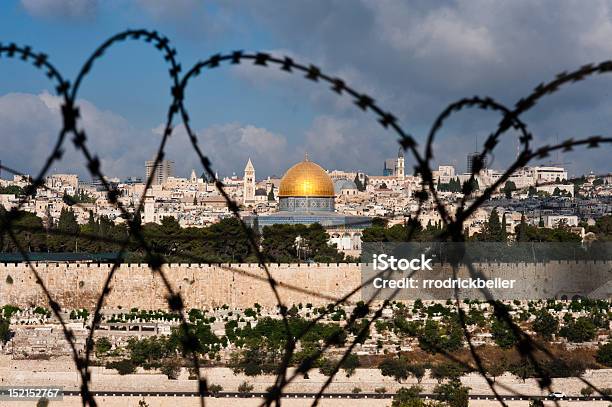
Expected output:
(30, 125)
(438, 33)
(349, 144)
(164, 9)
(229, 146)
(72, 9)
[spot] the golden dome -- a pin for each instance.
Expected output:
(306, 179)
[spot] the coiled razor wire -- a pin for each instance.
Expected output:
(453, 226)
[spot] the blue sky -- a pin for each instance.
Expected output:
(413, 57)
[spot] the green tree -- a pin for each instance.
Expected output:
(123, 367)
(408, 397)
(327, 367)
(171, 367)
(215, 389)
(245, 387)
(350, 364)
(67, 222)
(395, 367)
(496, 368)
(493, 228)
(102, 346)
(5, 330)
(508, 188)
(357, 181)
(520, 230)
(522, 369)
(68, 225)
(446, 370)
(564, 368)
(453, 393)
(545, 324)
(502, 333)
(148, 352)
(417, 370)
(503, 234)
(580, 330)
(603, 355)
(532, 191)
(440, 337)
(471, 187)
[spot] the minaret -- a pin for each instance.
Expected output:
(399, 164)
(149, 210)
(248, 187)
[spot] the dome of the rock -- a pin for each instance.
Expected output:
(306, 179)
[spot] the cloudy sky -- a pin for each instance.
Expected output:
(413, 57)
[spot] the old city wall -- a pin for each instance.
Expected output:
(78, 285)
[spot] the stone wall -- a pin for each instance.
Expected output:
(78, 285)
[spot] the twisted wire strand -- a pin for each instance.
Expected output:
(453, 227)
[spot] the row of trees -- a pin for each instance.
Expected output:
(225, 241)
(495, 230)
(33, 235)
(11, 190)
(454, 185)
(410, 231)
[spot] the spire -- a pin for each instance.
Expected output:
(249, 166)
(400, 152)
(306, 156)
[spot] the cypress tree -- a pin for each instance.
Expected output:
(358, 184)
(503, 233)
(521, 230)
(494, 227)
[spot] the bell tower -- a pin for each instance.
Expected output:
(399, 164)
(248, 187)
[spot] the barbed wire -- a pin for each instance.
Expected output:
(453, 227)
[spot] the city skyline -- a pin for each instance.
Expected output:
(227, 109)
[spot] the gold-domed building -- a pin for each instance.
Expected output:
(306, 195)
(306, 187)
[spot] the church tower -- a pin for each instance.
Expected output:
(248, 187)
(399, 164)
